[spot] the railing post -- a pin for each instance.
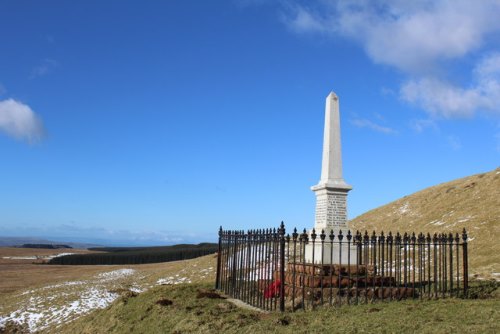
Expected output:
(233, 271)
(465, 263)
(219, 254)
(282, 266)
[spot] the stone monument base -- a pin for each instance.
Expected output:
(332, 254)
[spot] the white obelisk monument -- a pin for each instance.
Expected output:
(331, 190)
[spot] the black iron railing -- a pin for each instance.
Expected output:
(272, 270)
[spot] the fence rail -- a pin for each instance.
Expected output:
(272, 270)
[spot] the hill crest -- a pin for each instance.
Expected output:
(471, 202)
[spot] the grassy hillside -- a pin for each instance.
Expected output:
(472, 202)
(171, 298)
(45, 297)
(186, 309)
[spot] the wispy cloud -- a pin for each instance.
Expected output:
(45, 67)
(304, 21)
(417, 37)
(3, 90)
(365, 123)
(454, 142)
(19, 121)
(420, 125)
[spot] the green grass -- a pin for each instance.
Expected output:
(189, 314)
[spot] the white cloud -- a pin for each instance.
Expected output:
(418, 37)
(19, 121)
(443, 99)
(364, 123)
(410, 35)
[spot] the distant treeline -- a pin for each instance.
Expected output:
(44, 246)
(137, 255)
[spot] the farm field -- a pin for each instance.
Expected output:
(42, 297)
(21, 267)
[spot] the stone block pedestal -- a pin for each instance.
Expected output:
(332, 254)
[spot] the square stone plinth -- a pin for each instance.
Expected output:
(332, 254)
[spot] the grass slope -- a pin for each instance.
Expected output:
(47, 296)
(177, 309)
(472, 202)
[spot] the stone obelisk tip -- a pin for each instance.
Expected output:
(332, 95)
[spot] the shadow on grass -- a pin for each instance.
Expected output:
(483, 289)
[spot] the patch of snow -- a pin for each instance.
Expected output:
(27, 292)
(137, 289)
(73, 299)
(36, 316)
(437, 223)
(120, 273)
(50, 257)
(404, 209)
(173, 280)
(36, 257)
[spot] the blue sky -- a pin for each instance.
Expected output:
(157, 122)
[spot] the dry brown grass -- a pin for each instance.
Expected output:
(472, 202)
(19, 274)
(38, 252)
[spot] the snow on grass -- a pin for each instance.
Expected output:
(437, 223)
(50, 257)
(120, 273)
(36, 257)
(404, 209)
(47, 307)
(37, 316)
(137, 289)
(173, 280)
(60, 303)
(20, 257)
